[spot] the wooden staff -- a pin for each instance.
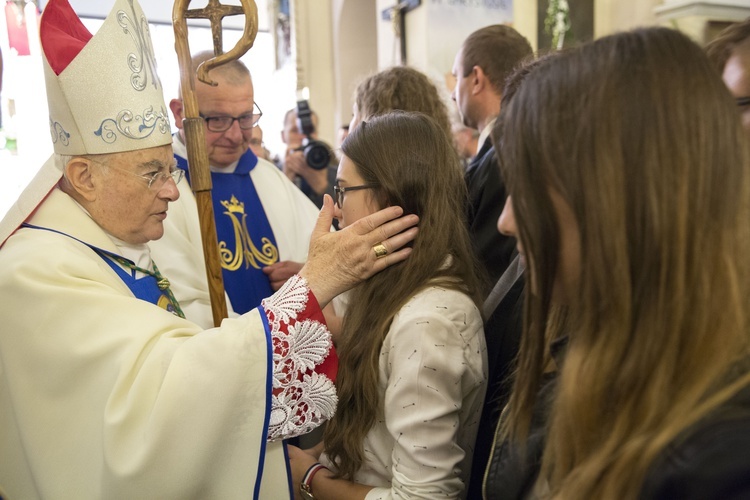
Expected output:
(195, 135)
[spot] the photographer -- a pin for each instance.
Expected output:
(314, 182)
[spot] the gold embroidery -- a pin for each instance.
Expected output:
(245, 250)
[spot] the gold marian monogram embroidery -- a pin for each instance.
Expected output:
(244, 249)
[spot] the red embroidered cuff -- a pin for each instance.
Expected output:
(303, 393)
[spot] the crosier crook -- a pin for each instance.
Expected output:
(200, 174)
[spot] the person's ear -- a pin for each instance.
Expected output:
(177, 109)
(478, 79)
(79, 176)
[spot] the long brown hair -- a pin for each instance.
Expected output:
(414, 166)
(639, 136)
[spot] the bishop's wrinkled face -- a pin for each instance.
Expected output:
(123, 204)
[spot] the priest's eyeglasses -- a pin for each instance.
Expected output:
(223, 123)
(339, 191)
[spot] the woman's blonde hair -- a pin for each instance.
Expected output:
(413, 165)
(637, 133)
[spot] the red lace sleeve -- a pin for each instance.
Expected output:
(305, 362)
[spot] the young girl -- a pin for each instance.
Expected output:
(412, 355)
(629, 183)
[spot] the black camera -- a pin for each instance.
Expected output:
(317, 153)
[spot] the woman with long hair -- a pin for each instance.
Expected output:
(412, 368)
(629, 183)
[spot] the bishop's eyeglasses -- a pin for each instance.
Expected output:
(155, 180)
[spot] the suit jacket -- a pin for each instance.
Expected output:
(503, 328)
(503, 335)
(486, 200)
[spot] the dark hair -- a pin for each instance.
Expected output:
(510, 88)
(498, 50)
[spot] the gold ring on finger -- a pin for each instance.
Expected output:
(380, 251)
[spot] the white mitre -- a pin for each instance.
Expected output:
(103, 92)
(109, 98)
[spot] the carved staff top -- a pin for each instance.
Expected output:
(195, 134)
(214, 12)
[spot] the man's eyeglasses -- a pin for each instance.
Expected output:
(339, 191)
(743, 101)
(225, 122)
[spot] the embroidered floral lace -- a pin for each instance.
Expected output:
(302, 399)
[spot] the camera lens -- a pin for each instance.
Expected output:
(317, 155)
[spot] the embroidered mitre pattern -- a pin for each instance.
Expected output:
(302, 399)
(122, 107)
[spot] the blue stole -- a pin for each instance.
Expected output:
(244, 248)
(145, 288)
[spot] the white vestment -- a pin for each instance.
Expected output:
(179, 253)
(103, 395)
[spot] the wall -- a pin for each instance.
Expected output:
(436, 29)
(313, 32)
(611, 16)
(355, 52)
(525, 20)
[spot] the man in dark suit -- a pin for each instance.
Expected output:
(486, 58)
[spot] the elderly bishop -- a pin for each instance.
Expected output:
(106, 391)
